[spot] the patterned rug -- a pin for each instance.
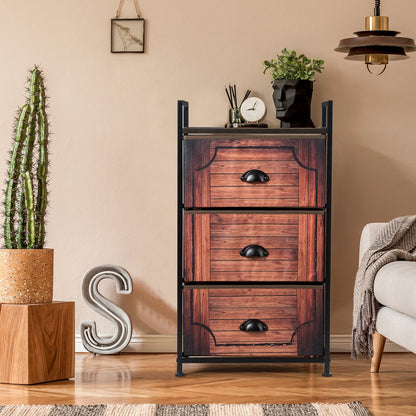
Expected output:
(313, 409)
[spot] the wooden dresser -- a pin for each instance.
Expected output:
(254, 218)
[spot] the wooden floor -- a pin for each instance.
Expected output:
(149, 378)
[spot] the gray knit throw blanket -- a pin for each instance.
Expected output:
(396, 241)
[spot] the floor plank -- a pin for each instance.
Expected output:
(149, 378)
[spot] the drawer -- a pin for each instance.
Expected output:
(286, 172)
(250, 247)
(223, 321)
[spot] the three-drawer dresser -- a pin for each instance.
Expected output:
(254, 238)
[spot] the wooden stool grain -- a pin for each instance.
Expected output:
(37, 342)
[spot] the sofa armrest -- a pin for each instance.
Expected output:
(368, 235)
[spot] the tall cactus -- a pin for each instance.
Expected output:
(25, 199)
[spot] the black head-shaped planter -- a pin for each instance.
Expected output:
(292, 98)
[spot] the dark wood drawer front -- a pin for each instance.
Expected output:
(293, 318)
(279, 247)
(292, 171)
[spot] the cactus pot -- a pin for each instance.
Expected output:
(26, 276)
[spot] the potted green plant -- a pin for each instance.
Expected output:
(292, 78)
(26, 267)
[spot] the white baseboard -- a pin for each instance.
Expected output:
(141, 343)
(167, 343)
(342, 343)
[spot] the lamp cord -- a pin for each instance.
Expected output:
(377, 8)
(136, 6)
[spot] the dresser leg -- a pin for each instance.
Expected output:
(179, 372)
(326, 372)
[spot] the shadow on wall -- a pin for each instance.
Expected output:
(149, 313)
(372, 187)
(380, 186)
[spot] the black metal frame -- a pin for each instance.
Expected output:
(127, 19)
(184, 130)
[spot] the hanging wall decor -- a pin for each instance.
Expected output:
(127, 35)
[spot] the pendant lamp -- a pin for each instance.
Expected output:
(376, 45)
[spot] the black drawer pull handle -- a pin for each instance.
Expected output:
(253, 250)
(254, 175)
(253, 325)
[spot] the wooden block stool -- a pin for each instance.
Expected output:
(37, 342)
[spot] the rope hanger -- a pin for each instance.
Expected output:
(136, 6)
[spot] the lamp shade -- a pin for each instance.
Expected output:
(378, 42)
(376, 45)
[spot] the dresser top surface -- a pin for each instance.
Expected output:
(216, 132)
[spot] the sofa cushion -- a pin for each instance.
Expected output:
(397, 327)
(395, 286)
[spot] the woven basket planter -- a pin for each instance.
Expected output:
(26, 276)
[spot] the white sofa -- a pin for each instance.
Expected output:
(395, 289)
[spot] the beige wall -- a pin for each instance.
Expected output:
(113, 177)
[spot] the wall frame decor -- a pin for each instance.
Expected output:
(127, 34)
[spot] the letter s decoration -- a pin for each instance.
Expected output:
(92, 296)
